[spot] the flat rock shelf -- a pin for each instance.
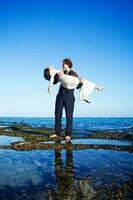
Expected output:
(95, 165)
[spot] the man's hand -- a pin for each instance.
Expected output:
(81, 80)
(60, 73)
(49, 89)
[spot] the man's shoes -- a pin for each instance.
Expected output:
(67, 138)
(53, 136)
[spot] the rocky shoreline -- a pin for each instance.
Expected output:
(34, 138)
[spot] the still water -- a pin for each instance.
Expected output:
(45, 174)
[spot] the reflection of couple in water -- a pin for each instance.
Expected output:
(67, 187)
(65, 98)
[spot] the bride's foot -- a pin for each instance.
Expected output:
(67, 138)
(86, 101)
(99, 88)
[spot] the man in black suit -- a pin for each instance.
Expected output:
(65, 99)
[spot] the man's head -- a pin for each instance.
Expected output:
(67, 64)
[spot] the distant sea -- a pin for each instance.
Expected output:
(80, 124)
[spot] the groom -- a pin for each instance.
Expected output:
(65, 99)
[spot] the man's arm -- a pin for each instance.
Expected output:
(79, 85)
(56, 79)
(72, 73)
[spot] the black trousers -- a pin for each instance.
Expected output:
(64, 99)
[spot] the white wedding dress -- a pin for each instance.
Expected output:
(70, 82)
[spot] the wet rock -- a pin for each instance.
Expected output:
(110, 135)
(34, 136)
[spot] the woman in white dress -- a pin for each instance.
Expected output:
(71, 82)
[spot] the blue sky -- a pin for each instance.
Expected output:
(96, 34)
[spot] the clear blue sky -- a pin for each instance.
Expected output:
(96, 34)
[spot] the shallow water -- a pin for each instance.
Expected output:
(101, 141)
(42, 173)
(1, 126)
(95, 141)
(7, 140)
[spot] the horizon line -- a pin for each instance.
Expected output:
(65, 117)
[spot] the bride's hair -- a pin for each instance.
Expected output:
(46, 74)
